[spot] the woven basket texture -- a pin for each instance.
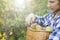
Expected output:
(36, 35)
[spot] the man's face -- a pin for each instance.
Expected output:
(53, 5)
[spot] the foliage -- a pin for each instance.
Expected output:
(12, 19)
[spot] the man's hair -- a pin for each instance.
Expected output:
(59, 1)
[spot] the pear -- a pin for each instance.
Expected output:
(38, 27)
(34, 25)
(49, 29)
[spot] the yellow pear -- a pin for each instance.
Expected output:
(38, 27)
(49, 29)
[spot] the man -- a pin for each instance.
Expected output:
(51, 19)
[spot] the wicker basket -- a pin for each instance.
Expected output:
(36, 35)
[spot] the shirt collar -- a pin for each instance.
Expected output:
(57, 15)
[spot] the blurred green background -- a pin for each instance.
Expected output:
(12, 17)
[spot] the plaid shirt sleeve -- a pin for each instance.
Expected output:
(55, 35)
(45, 20)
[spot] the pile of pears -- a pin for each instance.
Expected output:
(37, 27)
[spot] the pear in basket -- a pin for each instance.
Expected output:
(49, 29)
(33, 26)
(38, 27)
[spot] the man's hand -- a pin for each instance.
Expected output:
(30, 18)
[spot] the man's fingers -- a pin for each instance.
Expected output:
(29, 18)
